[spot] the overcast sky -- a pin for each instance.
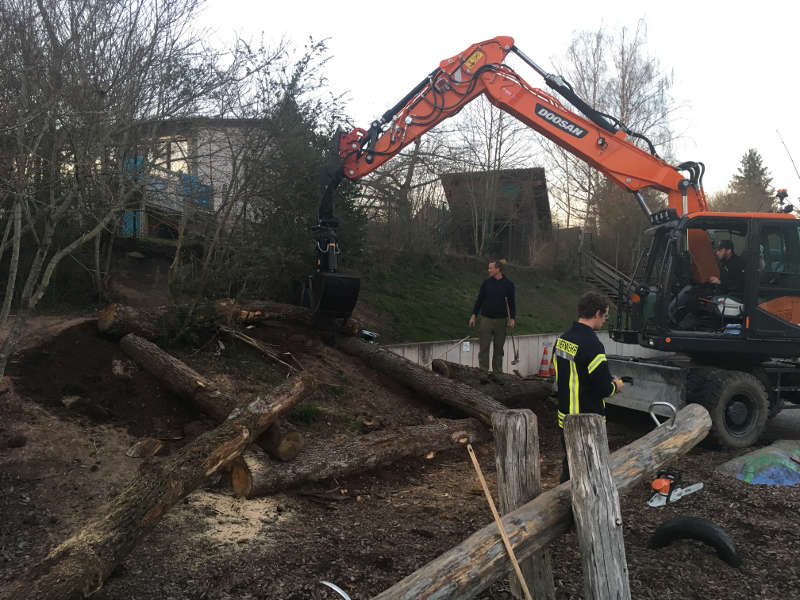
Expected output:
(735, 64)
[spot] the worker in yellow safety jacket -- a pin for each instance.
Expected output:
(582, 375)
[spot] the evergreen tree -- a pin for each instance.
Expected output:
(750, 188)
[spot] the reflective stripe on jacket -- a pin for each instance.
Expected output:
(582, 374)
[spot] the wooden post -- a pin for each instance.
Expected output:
(595, 507)
(519, 481)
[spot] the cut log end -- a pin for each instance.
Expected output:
(290, 447)
(241, 478)
(107, 317)
(440, 366)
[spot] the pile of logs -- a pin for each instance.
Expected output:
(264, 455)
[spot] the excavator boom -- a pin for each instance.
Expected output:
(480, 70)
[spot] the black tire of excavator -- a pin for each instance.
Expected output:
(775, 405)
(716, 390)
(699, 529)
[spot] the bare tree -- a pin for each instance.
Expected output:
(613, 74)
(487, 140)
(403, 195)
(85, 86)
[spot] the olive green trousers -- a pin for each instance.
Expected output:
(491, 331)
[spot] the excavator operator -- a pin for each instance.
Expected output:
(731, 268)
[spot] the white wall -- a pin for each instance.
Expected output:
(530, 348)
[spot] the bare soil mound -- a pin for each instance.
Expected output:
(72, 407)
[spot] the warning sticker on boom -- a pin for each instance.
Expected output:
(473, 60)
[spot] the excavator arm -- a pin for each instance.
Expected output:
(597, 139)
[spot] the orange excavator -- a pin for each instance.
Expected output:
(732, 327)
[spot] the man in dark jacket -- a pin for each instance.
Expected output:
(582, 374)
(497, 308)
(731, 268)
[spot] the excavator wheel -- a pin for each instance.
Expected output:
(775, 405)
(737, 402)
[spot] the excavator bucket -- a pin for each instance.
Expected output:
(334, 295)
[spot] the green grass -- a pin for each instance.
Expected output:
(431, 298)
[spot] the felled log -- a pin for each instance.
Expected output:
(251, 476)
(183, 381)
(79, 566)
(463, 571)
(512, 390)
(117, 320)
(281, 442)
(453, 393)
(260, 311)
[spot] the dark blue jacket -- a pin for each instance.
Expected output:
(491, 301)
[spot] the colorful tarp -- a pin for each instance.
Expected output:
(777, 464)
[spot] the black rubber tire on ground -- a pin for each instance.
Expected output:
(696, 528)
(737, 402)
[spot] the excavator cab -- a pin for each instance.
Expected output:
(718, 283)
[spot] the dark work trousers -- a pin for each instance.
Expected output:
(565, 462)
(492, 331)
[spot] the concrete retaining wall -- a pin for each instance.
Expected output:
(530, 349)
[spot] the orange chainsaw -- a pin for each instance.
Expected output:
(665, 489)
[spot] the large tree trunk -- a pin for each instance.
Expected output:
(117, 320)
(512, 391)
(178, 377)
(454, 393)
(253, 476)
(79, 566)
(462, 572)
(183, 381)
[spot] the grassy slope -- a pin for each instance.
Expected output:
(430, 298)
